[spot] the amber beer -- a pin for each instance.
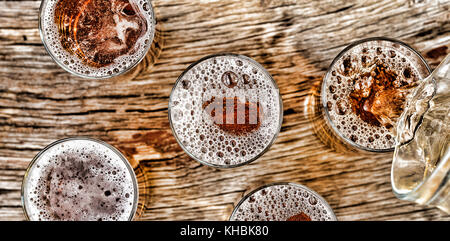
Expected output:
(225, 110)
(366, 89)
(97, 38)
(79, 179)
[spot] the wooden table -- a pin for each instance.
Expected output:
(295, 40)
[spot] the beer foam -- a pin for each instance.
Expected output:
(71, 62)
(80, 180)
(347, 75)
(219, 76)
(281, 202)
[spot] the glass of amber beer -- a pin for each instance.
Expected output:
(365, 90)
(97, 38)
(225, 110)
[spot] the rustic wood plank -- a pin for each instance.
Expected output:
(294, 40)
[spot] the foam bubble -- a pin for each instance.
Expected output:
(202, 87)
(352, 73)
(79, 180)
(280, 202)
(125, 61)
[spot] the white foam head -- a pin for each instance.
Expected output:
(351, 71)
(279, 202)
(51, 37)
(79, 179)
(198, 133)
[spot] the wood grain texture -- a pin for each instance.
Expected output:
(294, 40)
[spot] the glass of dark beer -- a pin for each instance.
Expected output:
(225, 110)
(79, 179)
(97, 38)
(282, 202)
(366, 89)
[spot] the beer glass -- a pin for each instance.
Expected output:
(225, 110)
(79, 179)
(282, 202)
(365, 90)
(97, 39)
(421, 166)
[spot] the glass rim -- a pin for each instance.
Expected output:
(327, 75)
(297, 185)
(82, 138)
(67, 69)
(267, 75)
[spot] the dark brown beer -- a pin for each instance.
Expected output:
(238, 110)
(99, 31)
(97, 38)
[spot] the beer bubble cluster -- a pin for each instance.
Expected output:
(366, 89)
(255, 112)
(97, 46)
(80, 180)
(282, 202)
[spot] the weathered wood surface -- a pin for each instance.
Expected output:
(294, 40)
